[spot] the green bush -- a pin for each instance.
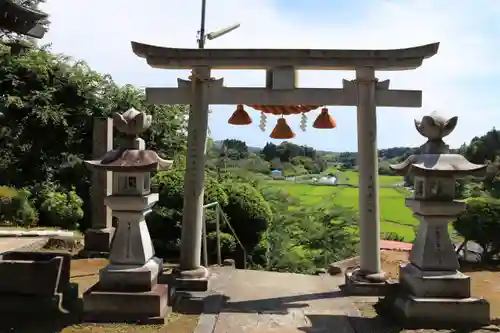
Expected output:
(248, 212)
(227, 244)
(165, 221)
(480, 222)
(243, 205)
(392, 236)
(15, 208)
(59, 209)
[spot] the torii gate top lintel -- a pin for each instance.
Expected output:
(177, 58)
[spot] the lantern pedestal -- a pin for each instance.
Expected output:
(147, 307)
(128, 286)
(443, 311)
(438, 297)
(421, 283)
(432, 288)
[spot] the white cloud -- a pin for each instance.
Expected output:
(100, 33)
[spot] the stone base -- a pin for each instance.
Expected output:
(34, 305)
(190, 302)
(199, 284)
(150, 307)
(356, 287)
(195, 280)
(433, 283)
(130, 278)
(442, 312)
(98, 241)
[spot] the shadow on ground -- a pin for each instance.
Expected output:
(322, 323)
(478, 267)
(40, 323)
(374, 318)
(278, 305)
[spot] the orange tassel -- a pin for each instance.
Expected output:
(282, 130)
(324, 120)
(240, 116)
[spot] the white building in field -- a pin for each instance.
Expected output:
(277, 174)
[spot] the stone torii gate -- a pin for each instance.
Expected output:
(365, 92)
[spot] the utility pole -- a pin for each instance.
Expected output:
(201, 33)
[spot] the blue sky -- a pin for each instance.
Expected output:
(462, 79)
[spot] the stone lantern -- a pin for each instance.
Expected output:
(127, 287)
(432, 287)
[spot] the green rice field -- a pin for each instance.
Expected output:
(394, 216)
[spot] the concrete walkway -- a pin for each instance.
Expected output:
(259, 301)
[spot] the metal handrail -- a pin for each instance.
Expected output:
(219, 213)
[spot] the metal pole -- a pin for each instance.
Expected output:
(217, 233)
(204, 241)
(201, 39)
(201, 45)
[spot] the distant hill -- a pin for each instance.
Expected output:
(251, 149)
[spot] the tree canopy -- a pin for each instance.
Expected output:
(49, 102)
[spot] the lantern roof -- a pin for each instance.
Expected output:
(452, 165)
(435, 159)
(130, 160)
(21, 19)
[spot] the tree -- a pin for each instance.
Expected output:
(235, 149)
(480, 222)
(49, 102)
(300, 240)
(335, 237)
(279, 246)
(484, 148)
(269, 152)
(255, 164)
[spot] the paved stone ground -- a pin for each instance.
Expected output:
(21, 243)
(259, 301)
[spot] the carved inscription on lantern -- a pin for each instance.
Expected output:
(129, 246)
(439, 254)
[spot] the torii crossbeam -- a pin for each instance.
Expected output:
(347, 96)
(365, 92)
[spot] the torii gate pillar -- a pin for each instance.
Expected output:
(369, 208)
